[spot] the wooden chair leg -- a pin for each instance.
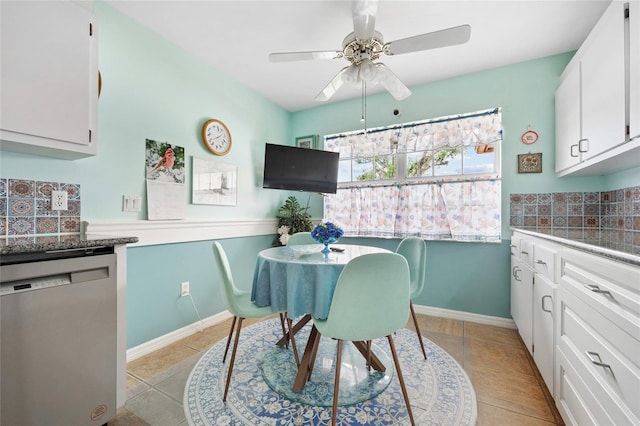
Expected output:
(233, 358)
(415, 322)
(226, 349)
(368, 355)
(293, 341)
(336, 386)
(401, 379)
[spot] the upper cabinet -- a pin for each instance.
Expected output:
(49, 79)
(634, 68)
(593, 105)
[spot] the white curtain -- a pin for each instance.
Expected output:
(453, 209)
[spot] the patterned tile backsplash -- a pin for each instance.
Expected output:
(25, 210)
(616, 213)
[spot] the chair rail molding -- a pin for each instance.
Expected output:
(180, 231)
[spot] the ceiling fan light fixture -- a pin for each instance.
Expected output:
(368, 71)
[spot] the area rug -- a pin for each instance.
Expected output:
(439, 390)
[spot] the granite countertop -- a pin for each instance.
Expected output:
(62, 242)
(617, 245)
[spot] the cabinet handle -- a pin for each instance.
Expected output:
(550, 298)
(598, 362)
(580, 145)
(524, 252)
(540, 262)
(594, 288)
(515, 273)
(571, 151)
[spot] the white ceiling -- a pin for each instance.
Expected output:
(236, 37)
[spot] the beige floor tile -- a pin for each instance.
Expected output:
(489, 415)
(437, 324)
(514, 392)
(493, 357)
(487, 355)
(503, 335)
(127, 418)
(162, 359)
(203, 340)
(452, 344)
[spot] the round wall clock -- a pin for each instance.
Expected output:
(216, 137)
(529, 137)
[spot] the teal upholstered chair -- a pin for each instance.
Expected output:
(414, 250)
(301, 238)
(371, 300)
(239, 303)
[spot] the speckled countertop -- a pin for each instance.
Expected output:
(618, 245)
(62, 242)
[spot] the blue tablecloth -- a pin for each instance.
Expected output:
(300, 279)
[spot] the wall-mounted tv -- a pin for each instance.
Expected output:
(300, 169)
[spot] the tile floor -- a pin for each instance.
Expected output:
(508, 386)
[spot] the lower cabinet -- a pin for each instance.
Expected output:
(532, 299)
(543, 322)
(521, 296)
(597, 375)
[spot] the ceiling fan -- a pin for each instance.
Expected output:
(365, 45)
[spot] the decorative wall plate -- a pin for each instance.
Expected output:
(529, 137)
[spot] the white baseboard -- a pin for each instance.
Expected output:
(465, 316)
(162, 341)
(169, 338)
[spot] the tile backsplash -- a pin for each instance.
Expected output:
(25, 210)
(615, 213)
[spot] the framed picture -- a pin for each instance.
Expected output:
(530, 163)
(214, 183)
(307, 141)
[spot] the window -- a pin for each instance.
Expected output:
(438, 179)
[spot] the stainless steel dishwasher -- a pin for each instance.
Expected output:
(58, 337)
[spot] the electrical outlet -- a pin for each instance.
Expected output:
(184, 289)
(59, 200)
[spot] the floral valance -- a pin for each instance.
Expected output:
(478, 128)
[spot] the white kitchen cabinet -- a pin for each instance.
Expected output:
(597, 378)
(543, 326)
(634, 69)
(532, 299)
(603, 85)
(521, 297)
(49, 78)
(568, 120)
(592, 121)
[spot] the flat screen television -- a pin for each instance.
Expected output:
(300, 169)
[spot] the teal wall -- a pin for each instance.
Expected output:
(153, 89)
(474, 277)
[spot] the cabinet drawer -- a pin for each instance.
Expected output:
(544, 262)
(604, 352)
(607, 286)
(580, 401)
(526, 252)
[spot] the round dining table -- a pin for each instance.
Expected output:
(300, 279)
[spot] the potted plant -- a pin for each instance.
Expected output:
(292, 218)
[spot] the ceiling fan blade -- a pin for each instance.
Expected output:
(448, 37)
(392, 83)
(304, 56)
(330, 89)
(364, 18)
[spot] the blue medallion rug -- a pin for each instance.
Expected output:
(439, 390)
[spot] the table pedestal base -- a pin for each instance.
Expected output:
(357, 382)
